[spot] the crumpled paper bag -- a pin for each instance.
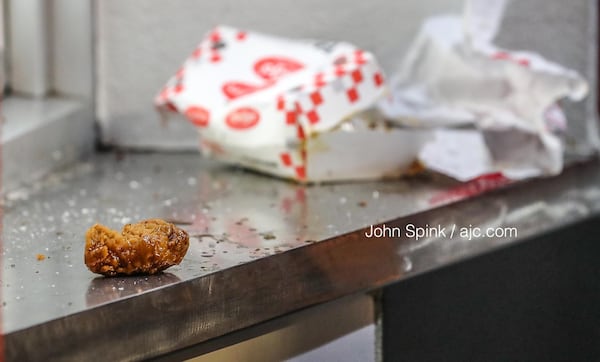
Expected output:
(453, 77)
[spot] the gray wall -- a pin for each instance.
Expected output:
(142, 42)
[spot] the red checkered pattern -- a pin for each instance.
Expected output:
(215, 57)
(178, 82)
(359, 57)
(214, 36)
(207, 49)
(196, 53)
(163, 96)
(300, 109)
(289, 110)
(241, 35)
(378, 79)
(173, 87)
(295, 161)
(319, 80)
(163, 99)
(307, 106)
(351, 75)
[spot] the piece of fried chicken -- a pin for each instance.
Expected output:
(147, 247)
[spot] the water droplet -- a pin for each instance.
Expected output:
(17, 195)
(343, 200)
(134, 185)
(375, 194)
(191, 181)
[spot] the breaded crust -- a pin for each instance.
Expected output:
(147, 247)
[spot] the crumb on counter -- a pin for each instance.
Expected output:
(40, 257)
(268, 236)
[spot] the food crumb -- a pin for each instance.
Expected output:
(268, 236)
(416, 168)
(362, 203)
(241, 221)
(40, 257)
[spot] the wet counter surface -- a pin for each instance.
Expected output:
(260, 248)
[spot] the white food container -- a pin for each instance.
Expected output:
(289, 108)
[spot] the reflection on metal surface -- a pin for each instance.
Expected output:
(102, 290)
(233, 217)
(260, 248)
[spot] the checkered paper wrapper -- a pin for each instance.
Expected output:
(286, 107)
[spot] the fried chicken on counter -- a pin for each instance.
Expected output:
(147, 247)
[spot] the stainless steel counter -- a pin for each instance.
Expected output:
(261, 248)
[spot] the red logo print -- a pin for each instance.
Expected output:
(198, 116)
(273, 68)
(242, 118)
(233, 90)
